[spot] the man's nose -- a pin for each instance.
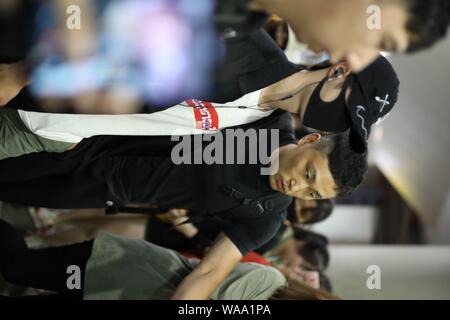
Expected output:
(295, 185)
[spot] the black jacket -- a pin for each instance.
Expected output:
(251, 63)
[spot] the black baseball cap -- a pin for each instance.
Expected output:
(374, 93)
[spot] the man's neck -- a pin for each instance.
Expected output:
(300, 85)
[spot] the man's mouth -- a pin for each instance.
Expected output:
(280, 185)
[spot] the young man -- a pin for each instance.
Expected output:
(117, 171)
(256, 75)
(351, 30)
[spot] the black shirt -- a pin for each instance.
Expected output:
(139, 178)
(199, 187)
(139, 170)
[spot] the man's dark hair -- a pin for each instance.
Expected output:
(428, 22)
(347, 165)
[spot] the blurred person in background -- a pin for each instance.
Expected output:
(278, 30)
(155, 272)
(309, 211)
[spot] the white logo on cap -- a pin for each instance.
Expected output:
(363, 122)
(383, 103)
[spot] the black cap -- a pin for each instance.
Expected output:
(374, 94)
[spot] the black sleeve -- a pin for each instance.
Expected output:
(273, 242)
(254, 233)
(287, 133)
(252, 62)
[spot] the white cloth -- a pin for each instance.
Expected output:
(206, 119)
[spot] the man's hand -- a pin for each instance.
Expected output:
(12, 80)
(201, 283)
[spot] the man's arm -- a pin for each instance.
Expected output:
(212, 270)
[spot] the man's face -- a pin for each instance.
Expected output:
(341, 28)
(304, 172)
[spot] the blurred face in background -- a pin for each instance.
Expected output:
(347, 29)
(292, 269)
(281, 36)
(304, 210)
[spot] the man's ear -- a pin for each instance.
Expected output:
(342, 68)
(310, 139)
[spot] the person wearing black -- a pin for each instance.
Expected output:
(120, 171)
(330, 99)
